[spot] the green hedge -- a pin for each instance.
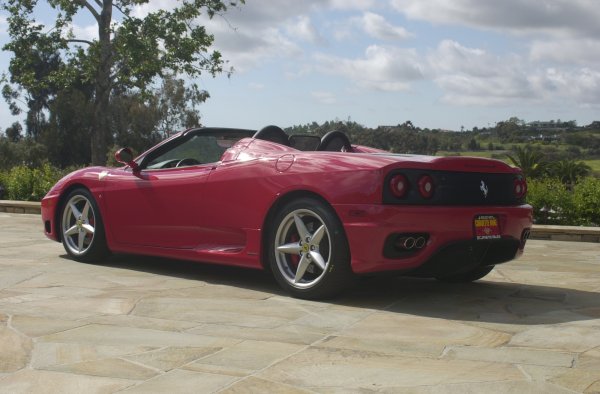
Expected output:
(554, 203)
(29, 184)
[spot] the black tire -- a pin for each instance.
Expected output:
(299, 270)
(80, 215)
(469, 276)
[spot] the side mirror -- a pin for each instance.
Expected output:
(125, 156)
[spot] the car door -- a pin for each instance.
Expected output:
(159, 204)
(156, 208)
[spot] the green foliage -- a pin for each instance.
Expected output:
(473, 145)
(29, 184)
(125, 56)
(569, 171)
(24, 152)
(554, 203)
(7, 153)
(13, 133)
(177, 105)
(529, 160)
(550, 199)
(507, 130)
(586, 200)
(3, 182)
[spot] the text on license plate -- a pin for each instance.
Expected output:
(486, 227)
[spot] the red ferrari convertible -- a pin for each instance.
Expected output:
(315, 211)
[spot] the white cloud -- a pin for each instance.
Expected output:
(342, 32)
(566, 51)
(382, 68)
(140, 11)
(260, 13)
(553, 17)
(451, 57)
(326, 98)
(305, 30)
(245, 49)
(256, 32)
(89, 32)
(352, 4)
(471, 76)
(378, 27)
(559, 42)
(579, 85)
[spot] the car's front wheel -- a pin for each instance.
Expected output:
(82, 228)
(308, 251)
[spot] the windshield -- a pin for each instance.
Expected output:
(195, 148)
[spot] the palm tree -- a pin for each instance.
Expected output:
(569, 171)
(530, 161)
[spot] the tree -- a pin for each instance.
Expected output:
(408, 125)
(13, 133)
(135, 121)
(508, 129)
(595, 125)
(177, 105)
(473, 145)
(40, 64)
(66, 134)
(530, 161)
(128, 53)
(569, 171)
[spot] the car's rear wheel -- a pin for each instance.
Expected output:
(82, 228)
(308, 250)
(469, 276)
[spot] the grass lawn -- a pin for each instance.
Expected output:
(595, 164)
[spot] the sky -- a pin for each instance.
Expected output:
(439, 63)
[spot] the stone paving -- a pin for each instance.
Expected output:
(140, 325)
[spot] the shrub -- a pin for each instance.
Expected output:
(3, 178)
(29, 184)
(44, 178)
(553, 203)
(586, 199)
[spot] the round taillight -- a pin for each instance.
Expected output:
(399, 185)
(426, 186)
(520, 187)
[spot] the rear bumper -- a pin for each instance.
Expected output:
(450, 247)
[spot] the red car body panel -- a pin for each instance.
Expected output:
(218, 212)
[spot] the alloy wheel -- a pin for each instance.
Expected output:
(78, 225)
(302, 248)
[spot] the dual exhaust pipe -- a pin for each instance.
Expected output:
(409, 243)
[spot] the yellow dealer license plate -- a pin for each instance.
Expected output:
(486, 227)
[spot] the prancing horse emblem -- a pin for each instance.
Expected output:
(484, 189)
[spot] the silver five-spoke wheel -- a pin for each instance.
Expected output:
(78, 224)
(303, 248)
(81, 227)
(308, 251)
